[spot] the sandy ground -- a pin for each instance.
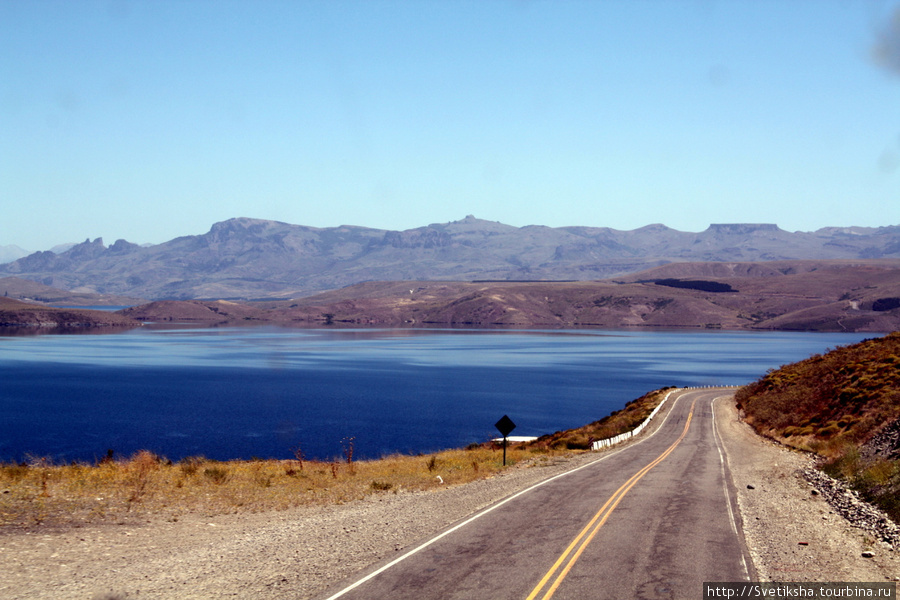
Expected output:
(792, 535)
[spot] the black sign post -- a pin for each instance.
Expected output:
(505, 427)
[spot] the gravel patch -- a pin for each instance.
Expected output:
(847, 503)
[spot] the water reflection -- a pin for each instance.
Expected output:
(242, 392)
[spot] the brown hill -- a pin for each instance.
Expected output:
(23, 317)
(794, 295)
(200, 311)
(829, 401)
(844, 406)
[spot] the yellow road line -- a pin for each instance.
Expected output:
(593, 526)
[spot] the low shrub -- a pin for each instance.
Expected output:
(190, 464)
(14, 472)
(217, 475)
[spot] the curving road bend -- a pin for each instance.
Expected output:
(654, 519)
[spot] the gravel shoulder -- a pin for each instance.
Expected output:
(792, 532)
(792, 535)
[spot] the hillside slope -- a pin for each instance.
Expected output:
(34, 292)
(24, 317)
(791, 295)
(845, 407)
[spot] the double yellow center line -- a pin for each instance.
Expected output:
(568, 558)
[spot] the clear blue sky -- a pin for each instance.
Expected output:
(149, 120)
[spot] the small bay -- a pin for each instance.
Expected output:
(228, 393)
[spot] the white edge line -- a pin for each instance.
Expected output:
(418, 549)
(725, 481)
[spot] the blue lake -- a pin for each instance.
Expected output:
(261, 392)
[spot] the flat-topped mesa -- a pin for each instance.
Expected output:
(742, 228)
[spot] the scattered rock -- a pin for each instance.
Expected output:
(858, 512)
(750, 486)
(868, 554)
(885, 444)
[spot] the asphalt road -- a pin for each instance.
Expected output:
(652, 520)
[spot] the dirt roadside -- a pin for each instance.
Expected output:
(791, 531)
(792, 535)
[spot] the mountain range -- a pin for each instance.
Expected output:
(245, 258)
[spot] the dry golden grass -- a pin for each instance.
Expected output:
(620, 421)
(145, 486)
(828, 403)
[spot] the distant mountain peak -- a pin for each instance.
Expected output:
(742, 228)
(654, 228)
(12, 252)
(239, 223)
(473, 223)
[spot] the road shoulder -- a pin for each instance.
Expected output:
(793, 534)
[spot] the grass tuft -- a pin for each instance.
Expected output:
(218, 475)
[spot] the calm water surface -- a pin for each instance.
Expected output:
(261, 392)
